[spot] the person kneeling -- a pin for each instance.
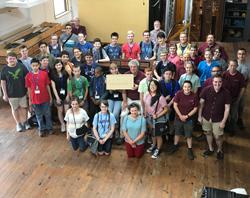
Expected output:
(76, 118)
(103, 128)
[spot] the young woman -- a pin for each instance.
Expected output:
(59, 86)
(103, 128)
(155, 109)
(190, 75)
(134, 127)
(75, 118)
(217, 57)
(185, 106)
(115, 103)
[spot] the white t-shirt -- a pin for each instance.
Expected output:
(81, 118)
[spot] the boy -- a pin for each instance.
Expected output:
(25, 59)
(54, 47)
(44, 61)
(99, 54)
(78, 87)
(88, 69)
(14, 91)
(40, 97)
(68, 66)
(130, 50)
(146, 46)
(44, 51)
(97, 91)
(113, 49)
(83, 44)
(161, 46)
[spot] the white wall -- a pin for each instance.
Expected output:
(16, 18)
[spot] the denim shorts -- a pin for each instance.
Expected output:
(183, 128)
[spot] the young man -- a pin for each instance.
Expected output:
(14, 91)
(160, 46)
(40, 97)
(83, 44)
(99, 54)
(155, 31)
(88, 69)
(66, 63)
(130, 50)
(78, 87)
(183, 46)
(44, 51)
(25, 59)
(244, 69)
(213, 114)
(143, 85)
(44, 64)
(146, 47)
(54, 47)
(68, 40)
(113, 50)
(236, 85)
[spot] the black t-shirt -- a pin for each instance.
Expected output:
(114, 95)
(61, 84)
(161, 67)
(15, 80)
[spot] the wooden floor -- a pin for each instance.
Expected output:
(31, 166)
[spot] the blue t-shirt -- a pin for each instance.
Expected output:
(134, 127)
(104, 123)
(169, 88)
(146, 50)
(114, 52)
(85, 48)
(205, 70)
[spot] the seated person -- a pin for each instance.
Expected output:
(160, 47)
(78, 58)
(183, 46)
(220, 61)
(103, 128)
(44, 51)
(155, 31)
(88, 69)
(77, 28)
(55, 48)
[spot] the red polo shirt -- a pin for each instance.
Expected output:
(131, 52)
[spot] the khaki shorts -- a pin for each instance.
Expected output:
(212, 127)
(15, 103)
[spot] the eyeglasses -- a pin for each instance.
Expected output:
(68, 28)
(215, 70)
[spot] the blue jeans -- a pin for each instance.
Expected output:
(78, 143)
(115, 108)
(42, 112)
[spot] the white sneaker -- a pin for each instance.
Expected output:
(63, 128)
(156, 154)
(27, 126)
(19, 128)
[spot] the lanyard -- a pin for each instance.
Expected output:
(146, 47)
(130, 49)
(36, 80)
(103, 121)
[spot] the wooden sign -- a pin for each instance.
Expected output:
(120, 81)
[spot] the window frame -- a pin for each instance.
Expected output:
(64, 12)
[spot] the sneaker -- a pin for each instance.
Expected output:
(208, 153)
(173, 149)
(155, 154)
(19, 128)
(50, 131)
(220, 155)
(63, 128)
(41, 133)
(151, 148)
(27, 126)
(190, 154)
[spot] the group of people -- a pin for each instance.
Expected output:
(187, 84)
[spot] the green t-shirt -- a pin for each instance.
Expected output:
(78, 86)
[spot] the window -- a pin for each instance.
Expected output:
(60, 7)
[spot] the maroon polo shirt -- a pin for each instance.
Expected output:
(186, 103)
(134, 94)
(204, 46)
(235, 83)
(209, 82)
(80, 29)
(214, 105)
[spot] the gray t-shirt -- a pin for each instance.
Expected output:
(244, 69)
(70, 44)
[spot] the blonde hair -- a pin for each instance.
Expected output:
(130, 32)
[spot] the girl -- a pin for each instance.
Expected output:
(189, 75)
(75, 118)
(115, 102)
(185, 106)
(103, 128)
(155, 109)
(134, 127)
(59, 86)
